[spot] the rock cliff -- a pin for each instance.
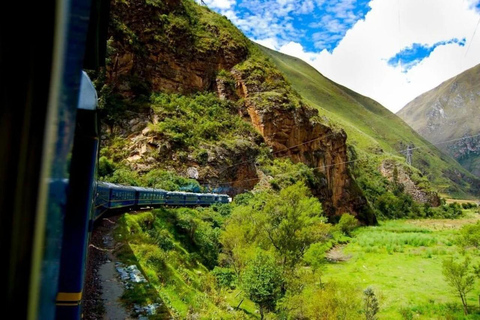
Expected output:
(179, 47)
(403, 176)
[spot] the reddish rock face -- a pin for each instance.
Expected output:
(297, 134)
(162, 56)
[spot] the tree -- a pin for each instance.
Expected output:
(460, 278)
(262, 281)
(291, 221)
(370, 304)
(470, 235)
(315, 257)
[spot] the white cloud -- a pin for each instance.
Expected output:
(219, 4)
(360, 60)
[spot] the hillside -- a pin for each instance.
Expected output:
(450, 112)
(186, 92)
(186, 98)
(373, 130)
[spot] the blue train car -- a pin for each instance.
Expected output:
(102, 199)
(206, 198)
(223, 198)
(121, 196)
(191, 199)
(143, 196)
(175, 198)
(159, 197)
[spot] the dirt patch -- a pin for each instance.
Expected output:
(336, 254)
(445, 224)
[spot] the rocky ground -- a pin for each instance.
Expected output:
(103, 287)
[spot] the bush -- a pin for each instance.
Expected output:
(470, 235)
(347, 224)
(226, 277)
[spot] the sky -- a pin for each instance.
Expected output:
(389, 50)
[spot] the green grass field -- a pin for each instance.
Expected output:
(402, 261)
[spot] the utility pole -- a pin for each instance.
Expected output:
(409, 154)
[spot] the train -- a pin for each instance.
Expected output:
(49, 141)
(111, 196)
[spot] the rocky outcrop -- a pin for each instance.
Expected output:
(397, 173)
(299, 134)
(155, 48)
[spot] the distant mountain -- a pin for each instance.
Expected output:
(449, 117)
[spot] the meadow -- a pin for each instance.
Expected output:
(402, 261)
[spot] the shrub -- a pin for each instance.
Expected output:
(226, 277)
(347, 224)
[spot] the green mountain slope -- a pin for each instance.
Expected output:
(375, 132)
(450, 112)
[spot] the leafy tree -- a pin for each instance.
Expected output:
(470, 235)
(125, 176)
(262, 281)
(370, 301)
(460, 278)
(291, 221)
(334, 300)
(168, 180)
(106, 167)
(315, 257)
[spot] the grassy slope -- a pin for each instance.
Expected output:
(402, 261)
(368, 124)
(459, 97)
(176, 275)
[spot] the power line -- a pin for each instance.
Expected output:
(343, 162)
(471, 40)
(278, 151)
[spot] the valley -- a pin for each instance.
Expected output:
(331, 217)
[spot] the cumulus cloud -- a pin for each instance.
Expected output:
(361, 59)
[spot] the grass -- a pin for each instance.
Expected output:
(402, 261)
(176, 276)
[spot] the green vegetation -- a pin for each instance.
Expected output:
(459, 278)
(200, 119)
(265, 251)
(403, 262)
(271, 253)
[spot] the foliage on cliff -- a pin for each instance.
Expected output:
(166, 61)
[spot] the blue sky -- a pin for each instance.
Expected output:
(389, 50)
(316, 24)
